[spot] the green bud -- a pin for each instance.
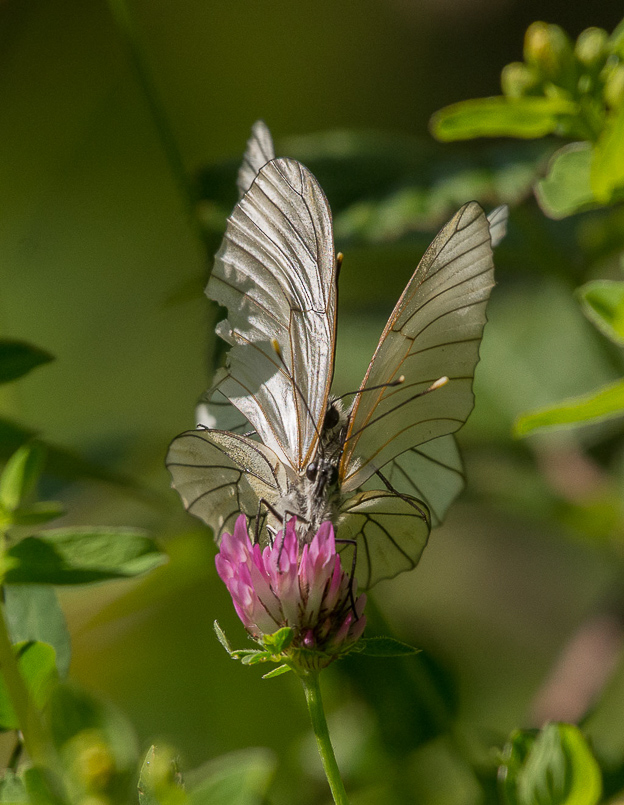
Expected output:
(614, 87)
(517, 79)
(548, 49)
(591, 48)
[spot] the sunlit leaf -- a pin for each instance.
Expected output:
(603, 304)
(20, 475)
(554, 767)
(280, 640)
(501, 117)
(37, 665)
(32, 612)
(566, 189)
(607, 168)
(81, 555)
(606, 403)
(17, 358)
(242, 778)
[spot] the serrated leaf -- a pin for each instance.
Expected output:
(554, 767)
(281, 669)
(20, 475)
(385, 647)
(602, 301)
(279, 641)
(566, 188)
(607, 168)
(17, 358)
(83, 555)
(606, 403)
(501, 117)
(32, 612)
(242, 778)
(37, 665)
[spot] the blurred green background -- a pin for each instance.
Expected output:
(101, 267)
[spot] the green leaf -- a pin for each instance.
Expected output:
(76, 717)
(280, 640)
(17, 358)
(602, 302)
(20, 475)
(42, 787)
(160, 782)
(33, 612)
(12, 788)
(606, 403)
(242, 778)
(82, 555)
(281, 669)
(254, 657)
(501, 117)
(607, 168)
(566, 189)
(36, 514)
(556, 767)
(384, 647)
(37, 665)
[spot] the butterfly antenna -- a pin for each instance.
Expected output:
(388, 385)
(278, 352)
(438, 384)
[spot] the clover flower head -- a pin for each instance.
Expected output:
(302, 586)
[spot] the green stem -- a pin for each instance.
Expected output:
(125, 24)
(319, 724)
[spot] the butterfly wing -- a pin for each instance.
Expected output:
(276, 274)
(435, 330)
(220, 475)
(259, 151)
(387, 532)
(431, 472)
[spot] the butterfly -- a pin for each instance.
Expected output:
(274, 442)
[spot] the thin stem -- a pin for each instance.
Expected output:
(319, 724)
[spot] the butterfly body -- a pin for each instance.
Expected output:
(383, 469)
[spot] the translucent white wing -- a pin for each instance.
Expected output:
(497, 220)
(215, 411)
(220, 475)
(390, 534)
(276, 274)
(431, 472)
(259, 151)
(434, 331)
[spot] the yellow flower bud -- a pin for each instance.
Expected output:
(614, 87)
(548, 49)
(517, 79)
(591, 48)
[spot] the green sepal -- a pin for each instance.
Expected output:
(525, 117)
(82, 555)
(17, 358)
(20, 475)
(602, 301)
(281, 669)
(221, 637)
(37, 665)
(279, 641)
(605, 403)
(384, 647)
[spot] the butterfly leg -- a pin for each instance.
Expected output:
(263, 502)
(407, 499)
(353, 544)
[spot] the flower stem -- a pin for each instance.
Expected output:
(312, 691)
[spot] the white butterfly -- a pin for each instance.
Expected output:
(386, 468)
